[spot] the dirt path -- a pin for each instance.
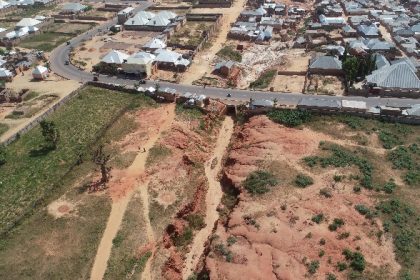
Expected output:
(213, 197)
(202, 62)
(136, 170)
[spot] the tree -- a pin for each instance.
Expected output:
(100, 158)
(351, 68)
(50, 133)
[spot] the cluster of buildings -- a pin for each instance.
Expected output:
(260, 23)
(388, 31)
(154, 55)
(163, 21)
(24, 27)
(13, 63)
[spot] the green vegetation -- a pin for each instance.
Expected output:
(3, 154)
(37, 173)
(184, 238)
(337, 223)
(221, 250)
(264, 79)
(231, 240)
(229, 53)
(290, 118)
(124, 259)
(259, 182)
(364, 210)
(196, 221)
(318, 218)
(157, 153)
(313, 267)
(44, 41)
(50, 133)
(357, 260)
(302, 180)
(326, 192)
(188, 113)
(3, 128)
(402, 221)
(330, 276)
(408, 159)
(31, 95)
(342, 157)
(341, 266)
(355, 67)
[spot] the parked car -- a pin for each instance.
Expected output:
(142, 81)
(66, 62)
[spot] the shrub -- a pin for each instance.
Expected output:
(357, 260)
(264, 79)
(321, 253)
(259, 182)
(231, 240)
(337, 223)
(325, 192)
(341, 266)
(322, 241)
(401, 158)
(303, 180)
(228, 52)
(362, 209)
(389, 187)
(388, 139)
(196, 221)
(2, 155)
(290, 118)
(184, 238)
(330, 276)
(313, 267)
(357, 189)
(343, 235)
(318, 218)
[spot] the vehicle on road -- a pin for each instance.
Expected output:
(66, 62)
(229, 95)
(68, 43)
(142, 81)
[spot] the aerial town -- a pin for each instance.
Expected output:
(210, 139)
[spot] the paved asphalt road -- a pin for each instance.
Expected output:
(61, 54)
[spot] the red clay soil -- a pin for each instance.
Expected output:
(281, 239)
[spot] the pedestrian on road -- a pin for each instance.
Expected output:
(144, 150)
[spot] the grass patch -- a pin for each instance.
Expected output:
(290, 118)
(157, 153)
(229, 53)
(31, 95)
(259, 182)
(188, 114)
(264, 79)
(124, 257)
(30, 174)
(3, 128)
(44, 41)
(302, 181)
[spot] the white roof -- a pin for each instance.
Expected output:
(155, 43)
(17, 33)
(126, 11)
(158, 20)
(5, 73)
(2, 29)
(39, 70)
(141, 58)
(74, 7)
(137, 20)
(26, 22)
(114, 57)
(171, 57)
(147, 18)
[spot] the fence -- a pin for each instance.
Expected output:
(41, 117)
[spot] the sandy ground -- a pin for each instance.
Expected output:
(282, 239)
(202, 61)
(285, 83)
(328, 85)
(52, 85)
(295, 60)
(213, 197)
(129, 42)
(133, 175)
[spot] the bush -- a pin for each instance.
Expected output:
(388, 139)
(341, 266)
(322, 241)
(362, 209)
(2, 155)
(231, 240)
(343, 235)
(313, 267)
(259, 182)
(357, 260)
(290, 118)
(389, 187)
(264, 79)
(321, 253)
(330, 276)
(318, 218)
(184, 239)
(325, 192)
(303, 180)
(337, 223)
(196, 221)
(338, 178)
(401, 158)
(229, 53)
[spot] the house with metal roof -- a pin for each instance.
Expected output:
(326, 65)
(73, 8)
(148, 21)
(170, 60)
(332, 21)
(398, 78)
(27, 22)
(368, 31)
(140, 63)
(114, 57)
(154, 44)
